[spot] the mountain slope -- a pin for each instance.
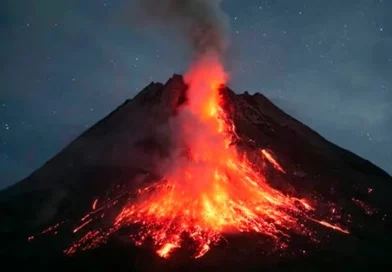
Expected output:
(124, 150)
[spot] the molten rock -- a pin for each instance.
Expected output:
(190, 175)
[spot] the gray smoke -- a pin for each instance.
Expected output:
(202, 23)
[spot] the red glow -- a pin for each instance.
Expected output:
(211, 191)
(271, 159)
(95, 204)
(214, 190)
(328, 225)
(82, 225)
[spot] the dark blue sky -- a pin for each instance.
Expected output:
(66, 64)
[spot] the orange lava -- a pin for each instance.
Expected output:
(329, 225)
(213, 190)
(271, 159)
(208, 188)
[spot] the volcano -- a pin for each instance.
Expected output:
(223, 181)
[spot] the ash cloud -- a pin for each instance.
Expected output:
(202, 23)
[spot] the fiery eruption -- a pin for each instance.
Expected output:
(210, 189)
(213, 189)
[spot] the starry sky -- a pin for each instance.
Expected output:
(66, 64)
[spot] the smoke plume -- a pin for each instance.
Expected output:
(202, 23)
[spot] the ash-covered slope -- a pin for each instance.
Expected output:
(123, 150)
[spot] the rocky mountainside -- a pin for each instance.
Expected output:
(122, 150)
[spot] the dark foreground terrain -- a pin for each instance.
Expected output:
(121, 151)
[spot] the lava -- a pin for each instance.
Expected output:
(271, 159)
(209, 189)
(95, 204)
(329, 225)
(82, 225)
(213, 190)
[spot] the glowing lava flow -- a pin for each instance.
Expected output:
(208, 189)
(213, 190)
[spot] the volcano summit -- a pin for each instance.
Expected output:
(191, 176)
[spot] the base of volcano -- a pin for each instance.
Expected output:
(236, 253)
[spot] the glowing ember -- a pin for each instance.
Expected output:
(271, 159)
(328, 225)
(95, 204)
(82, 225)
(166, 249)
(365, 207)
(210, 191)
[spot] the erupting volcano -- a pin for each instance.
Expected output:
(208, 188)
(192, 169)
(192, 176)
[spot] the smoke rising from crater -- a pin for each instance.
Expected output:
(202, 23)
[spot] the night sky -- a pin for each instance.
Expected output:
(66, 64)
